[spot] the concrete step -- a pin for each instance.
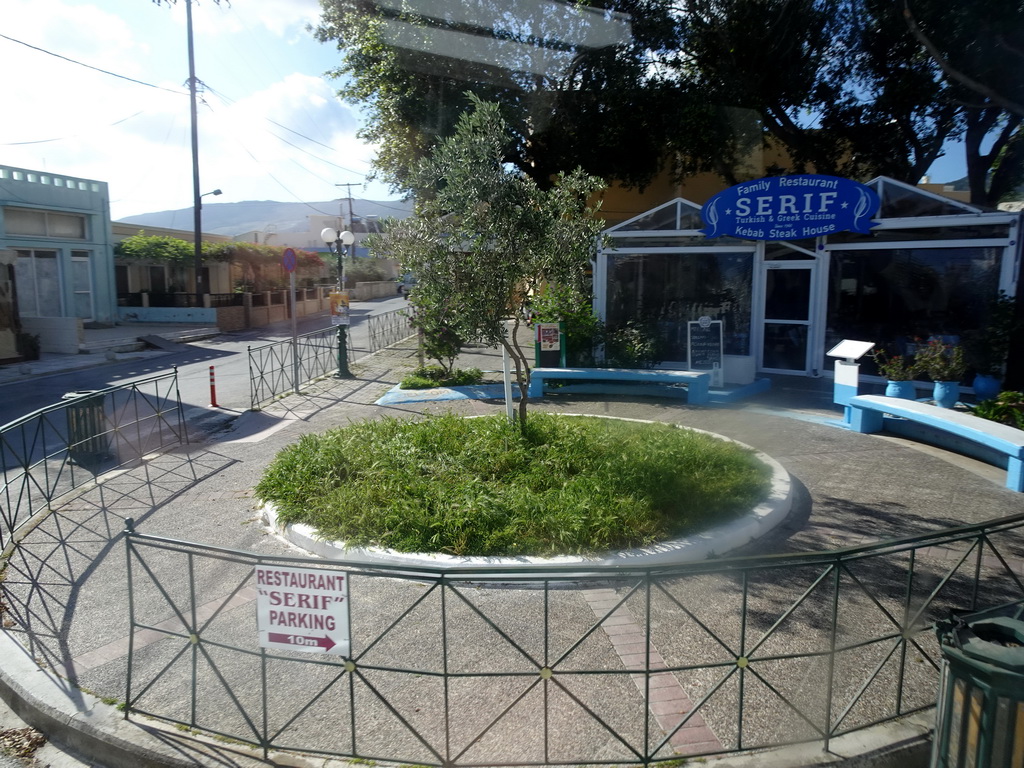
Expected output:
(103, 346)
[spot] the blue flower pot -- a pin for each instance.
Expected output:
(946, 393)
(986, 387)
(902, 389)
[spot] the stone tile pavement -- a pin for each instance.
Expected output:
(65, 591)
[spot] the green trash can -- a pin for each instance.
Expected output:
(88, 441)
(980, 717)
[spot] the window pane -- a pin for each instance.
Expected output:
(66, 225)
(24, 280)
(80, 275)
(894, 296)
(787, 294)
(22, 221)
(785, 346)
(668, 290)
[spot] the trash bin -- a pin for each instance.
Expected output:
(980, 717)
(88, 441)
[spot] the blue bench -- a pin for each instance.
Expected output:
(697, 382)
(867, 415)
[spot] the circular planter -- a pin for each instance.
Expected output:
(905, 390)
(687, 549)
(986, 387)
(946, 393)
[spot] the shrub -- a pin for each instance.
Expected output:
(430, 376)
(1007, 408)
(634, 345)
(486, 487)
(941, 361)
(28, 345)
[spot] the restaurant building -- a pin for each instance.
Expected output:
(918, 267)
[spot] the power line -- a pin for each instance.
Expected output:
(90, 66)
(65, 138)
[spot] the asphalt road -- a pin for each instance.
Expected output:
(226, 352)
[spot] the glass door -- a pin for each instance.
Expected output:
(786, 316)
(81, 284)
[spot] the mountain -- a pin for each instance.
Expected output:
(263, 215)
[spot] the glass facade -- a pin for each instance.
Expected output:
(783, 304)
(668, 290)
(895, 296)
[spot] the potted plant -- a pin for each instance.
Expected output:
(988, 347)
(898, 371)
(945, 365)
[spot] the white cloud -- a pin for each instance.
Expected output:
(136, 138)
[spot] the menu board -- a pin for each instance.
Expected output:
(704, 342)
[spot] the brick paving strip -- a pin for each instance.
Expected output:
(669, 703)
(119, 648)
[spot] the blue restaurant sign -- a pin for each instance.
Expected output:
(790, 208)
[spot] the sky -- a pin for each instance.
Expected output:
(271, 126)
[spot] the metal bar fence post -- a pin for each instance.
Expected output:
(129, 531)
(194, 638)
(265, 736)
(647, 666)
(905, 630)
(982, 539)
(444, 666)
(741, 662)
(182, 430)
(252, 382)
(832, 654)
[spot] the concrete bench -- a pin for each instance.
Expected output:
(867, 415)
(697, 382)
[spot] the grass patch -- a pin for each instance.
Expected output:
(481, 487)
(430, 376)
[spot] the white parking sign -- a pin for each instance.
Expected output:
(303, 609)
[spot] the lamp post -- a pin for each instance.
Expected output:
(336, 240)
(198, 242)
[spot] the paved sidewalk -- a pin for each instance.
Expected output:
(66, 591)
(50, 363)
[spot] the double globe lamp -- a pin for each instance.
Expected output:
(337, 241)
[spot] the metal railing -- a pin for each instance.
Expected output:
(388, 328)
(57, 449)
(550, 665)
(271, 366)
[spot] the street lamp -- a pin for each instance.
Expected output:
(336, 241)
(198, 242)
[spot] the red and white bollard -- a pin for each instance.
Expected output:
(213, 390)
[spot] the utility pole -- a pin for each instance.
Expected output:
(351, 223)
(197, 202)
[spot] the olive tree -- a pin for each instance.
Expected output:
(485, 237)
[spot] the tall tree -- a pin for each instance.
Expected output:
(578, 83)
(485, 237)
(628, 88)
(978, 45)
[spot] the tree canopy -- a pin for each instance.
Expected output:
(486, 237)
(628, 88)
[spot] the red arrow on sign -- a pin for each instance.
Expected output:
(321, 642)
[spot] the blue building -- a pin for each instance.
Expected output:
(56, 237)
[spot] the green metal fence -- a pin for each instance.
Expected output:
(272, 369)
(57, 449)
(540, 665)
(272, 366)
(388, 328)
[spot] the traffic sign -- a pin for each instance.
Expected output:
(303, 609)
(289, 260)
